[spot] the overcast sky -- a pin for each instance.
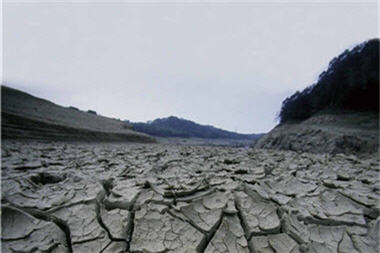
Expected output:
(225, 64)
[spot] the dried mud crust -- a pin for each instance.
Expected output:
(142, 198)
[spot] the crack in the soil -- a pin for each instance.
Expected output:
(328, 222)
(188, 221)
(104, 226)
(41, 215)
(202, 246)
(245, 229)
(130, 229)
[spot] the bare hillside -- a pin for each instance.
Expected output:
(349, 132)
(26, 116)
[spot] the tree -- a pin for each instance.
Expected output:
(351, 82)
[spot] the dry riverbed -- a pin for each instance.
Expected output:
(153, 198)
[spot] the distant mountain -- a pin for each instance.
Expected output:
(177, 127)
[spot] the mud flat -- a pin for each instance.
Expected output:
(153, 198)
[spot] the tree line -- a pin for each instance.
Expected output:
(351, 82)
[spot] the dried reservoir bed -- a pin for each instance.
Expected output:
(151, 198)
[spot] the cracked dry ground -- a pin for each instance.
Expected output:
(155, 198)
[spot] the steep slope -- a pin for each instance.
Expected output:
(177, 127)
(351, 82)
(339, 113)
(348, 132)
(29, 117)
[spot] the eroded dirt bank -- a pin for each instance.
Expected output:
(333, 133)
(60, 197)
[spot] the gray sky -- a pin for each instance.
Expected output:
(225, 64)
